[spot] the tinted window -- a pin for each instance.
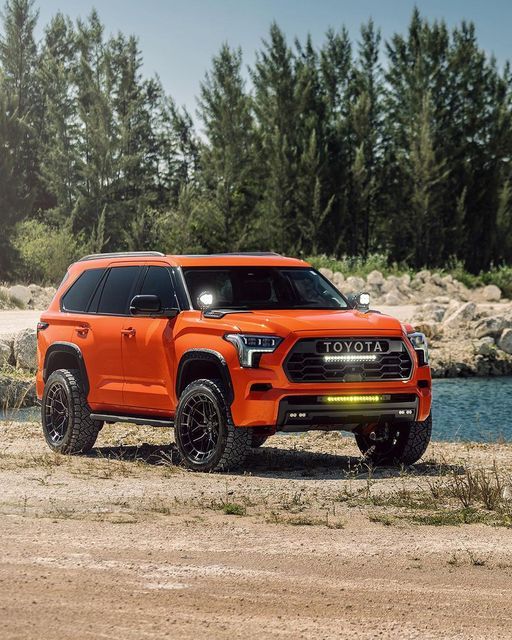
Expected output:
(118, 290)
(78, 296)
(158, 283)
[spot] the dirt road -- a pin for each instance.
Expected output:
(306, 544)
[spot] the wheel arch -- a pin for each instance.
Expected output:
(65, 355)
(203, 363)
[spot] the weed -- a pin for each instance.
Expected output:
(234, 509)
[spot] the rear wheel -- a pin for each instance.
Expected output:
(67, 425)
(205, 435)
(403, 443)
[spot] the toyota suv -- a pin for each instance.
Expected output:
(227, 349)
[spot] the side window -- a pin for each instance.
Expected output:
(158, 282)
(78, 295)
(118, 290)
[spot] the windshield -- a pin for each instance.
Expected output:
(262, 288)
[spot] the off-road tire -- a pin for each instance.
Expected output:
(412, 440)
(233, 443)
(81, 432)
(258, 439)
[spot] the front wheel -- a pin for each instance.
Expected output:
(405, 443)
(205, 435)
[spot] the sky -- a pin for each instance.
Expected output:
(179, 37)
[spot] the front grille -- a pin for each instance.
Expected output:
(305, 363)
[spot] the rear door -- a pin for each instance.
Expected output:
(148, 349)
(101, 336)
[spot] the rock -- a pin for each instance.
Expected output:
(25, 349)
(406, 280)
(375, 278)
(424, 275)
(21, 293)
(430, 329)
(16, 393)
(438, 280)
(392, 298)
(490, 326)
(328, 273)
(491, 293)
(355, 284)
(505, 341)
(6, 352)
(338, 278)
(485, 347)
(464, 313)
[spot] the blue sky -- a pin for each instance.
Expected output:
(178, 38)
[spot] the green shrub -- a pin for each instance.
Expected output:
(45, 252)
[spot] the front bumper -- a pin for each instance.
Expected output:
(306, 413)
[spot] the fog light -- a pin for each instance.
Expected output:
(352, 399)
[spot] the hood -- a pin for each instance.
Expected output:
(283, 322)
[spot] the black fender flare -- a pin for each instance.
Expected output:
(57, 348)
(206, 355)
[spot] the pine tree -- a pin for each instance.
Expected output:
(227, 158)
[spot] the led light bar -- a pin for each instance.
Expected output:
(351, 357)
(352, 399)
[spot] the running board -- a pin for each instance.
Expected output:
(150, 422)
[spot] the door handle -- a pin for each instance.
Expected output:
(130, 332)
(82, 330)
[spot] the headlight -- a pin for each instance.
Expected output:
(419, 343)
(249, 345)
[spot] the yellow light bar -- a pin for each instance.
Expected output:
(352, 399)
(349, 357)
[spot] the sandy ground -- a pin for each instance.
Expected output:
(125, 544)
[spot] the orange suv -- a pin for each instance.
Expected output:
(227, 349)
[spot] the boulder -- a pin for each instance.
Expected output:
(505, 341)
(485, 347)
(328, 273)
(430, 329)
(392, 298)
(491, 293)
(490, 326)
(375, 278)
(338, 278)
(406, 280)
(424, 275)
(25, 349)
(464, 313)
(20, 292)
(6, 354)
(355, 284)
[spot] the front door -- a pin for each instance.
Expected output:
(148, 351)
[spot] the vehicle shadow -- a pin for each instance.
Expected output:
(284, 463)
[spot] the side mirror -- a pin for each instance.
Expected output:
(151, 306)
(360, 301)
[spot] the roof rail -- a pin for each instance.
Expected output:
(235, 253)
(122, 254)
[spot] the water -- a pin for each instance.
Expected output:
(476, 409)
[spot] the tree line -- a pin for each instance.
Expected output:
(344, 148)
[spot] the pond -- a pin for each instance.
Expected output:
(476, 409)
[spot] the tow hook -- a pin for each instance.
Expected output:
(380, 434)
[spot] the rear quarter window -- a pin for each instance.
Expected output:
(78, 296)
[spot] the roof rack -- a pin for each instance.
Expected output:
(122, 254)
(235, 253)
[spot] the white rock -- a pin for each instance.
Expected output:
(25, 349)
(338, 278)
(328, 273)
(392, 298)
(5, 350)
(355, 284)
(491, 293)
(375, 278)
(490, 326)
(424, 275)
(505, 341)
(406, 280)
(465, 312)
(20, 292)
(485, 346)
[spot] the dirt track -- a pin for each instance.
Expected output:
(123, 544)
